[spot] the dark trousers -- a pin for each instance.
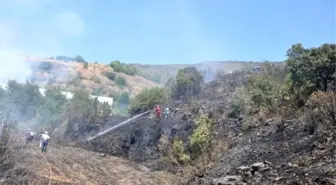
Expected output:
(44, 146)
(29, 139)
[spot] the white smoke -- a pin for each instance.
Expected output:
(13, 67)
(33, 32)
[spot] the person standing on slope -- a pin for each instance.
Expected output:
(41, 133)
(30, 136)
(166, 112)
(158, 111)
(45, 140)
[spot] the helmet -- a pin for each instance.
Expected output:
(46, 132)
(29, 129)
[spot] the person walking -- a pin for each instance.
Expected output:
(45, 140)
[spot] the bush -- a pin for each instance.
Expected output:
(82, 107)
(79, 58)
(86, 65)
(120, 81)
(122, 98)
(264, 91)
(240, 103)
(147, 98)
(123, 68)
(322, 108)
(179, 152)
(52, 107)
(110, 75)
(24, 98)
(188, 82)
(201, 141)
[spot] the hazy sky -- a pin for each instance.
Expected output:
(164, 31)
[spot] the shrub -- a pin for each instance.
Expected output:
(179, 152)
(82, 107)
(123, 68)
(322, 108)
(110, 75)
(240, 103)
(52, 107)
(120, 81)
(25, 98)
(121, 98)
(147, 98)
(264, 91)
(86, 65)
(188, 82)
(201, 141)
(79, 58)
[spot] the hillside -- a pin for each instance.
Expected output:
(72, 75)
(93, 77)
(67, 165)
(161, 73)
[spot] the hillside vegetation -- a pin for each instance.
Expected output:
(98, 79)
(276, 125)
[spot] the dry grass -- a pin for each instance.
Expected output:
(94, 77)
(320, 112)
(77, 166)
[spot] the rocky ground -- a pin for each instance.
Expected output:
(269, 156)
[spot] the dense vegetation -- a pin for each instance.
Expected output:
(120, 81)
(147, 99)
(24, 103)
(123, 68)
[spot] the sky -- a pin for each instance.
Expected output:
(164, 31)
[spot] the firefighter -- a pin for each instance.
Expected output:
(158, 111)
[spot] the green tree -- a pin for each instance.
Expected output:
(25, 99)
(147, 98)
(188, 82)
(123, 68)
(82, 106)
(110, 75)
(310, 69)
(79, 58)
(264, 91)
(52, 107)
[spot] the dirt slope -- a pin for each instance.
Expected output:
(77, 166)
(73, 75)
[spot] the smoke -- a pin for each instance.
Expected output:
(36, 32)
(211, 69)
(31, 29)
(13, 67)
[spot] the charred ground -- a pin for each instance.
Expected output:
(242, 128)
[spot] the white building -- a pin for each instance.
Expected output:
(69, 95)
